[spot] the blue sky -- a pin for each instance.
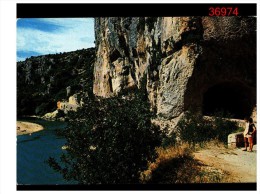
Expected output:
(40, 36)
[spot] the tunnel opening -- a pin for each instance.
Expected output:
(233, 100)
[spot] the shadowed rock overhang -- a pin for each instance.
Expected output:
(188, 61)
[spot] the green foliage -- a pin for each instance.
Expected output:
(43, 107)
(49, 76)
(169, 140)
(194, 128)
(109, 140)
(239, 129)
(60, 114)
(223, 127)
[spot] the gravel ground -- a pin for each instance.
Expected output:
(237, 166)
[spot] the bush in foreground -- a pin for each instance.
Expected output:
(109, 141)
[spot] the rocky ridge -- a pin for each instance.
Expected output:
(187, 61)
(44, 81)
(207, 63)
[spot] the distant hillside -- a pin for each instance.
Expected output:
(44, 80)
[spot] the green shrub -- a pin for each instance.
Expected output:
(59, 71)
(44, 107)
(194, 128)
(60, 114)
(109, 141)
(169, 140)
(223, 127)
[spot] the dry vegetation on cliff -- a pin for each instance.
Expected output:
(174, 164)
(212, 164)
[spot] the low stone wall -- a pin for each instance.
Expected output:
(236, 140)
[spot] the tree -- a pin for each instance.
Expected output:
(109, 141)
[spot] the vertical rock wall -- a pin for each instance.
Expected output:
(182, 58)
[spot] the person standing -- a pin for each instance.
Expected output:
(249, 133)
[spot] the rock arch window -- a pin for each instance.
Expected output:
(230, 98)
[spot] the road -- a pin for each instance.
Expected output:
(235, 165)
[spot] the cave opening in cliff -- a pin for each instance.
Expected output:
(231, 99)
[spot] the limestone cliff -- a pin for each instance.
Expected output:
(204, 62)
(44, 80)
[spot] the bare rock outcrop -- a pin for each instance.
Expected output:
(204, 62)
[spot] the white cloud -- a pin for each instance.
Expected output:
(20, 58)
(76, 33)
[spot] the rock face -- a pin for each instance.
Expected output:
(44, 80)
(203, 62)
(70, 105)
